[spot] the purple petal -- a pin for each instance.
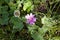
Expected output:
(27, 21)
(31, 23)
(27, 16)
(31, 15)
(34, 19)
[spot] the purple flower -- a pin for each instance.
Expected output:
(30, 18)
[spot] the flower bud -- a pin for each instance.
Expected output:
(16, 13)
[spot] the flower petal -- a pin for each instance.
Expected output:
(27, 16)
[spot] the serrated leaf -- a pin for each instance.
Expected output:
(36, 36)
(27, 5)
(18, 25)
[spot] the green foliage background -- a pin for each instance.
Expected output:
(47, 26)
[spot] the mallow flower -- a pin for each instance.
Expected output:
(16, 13)
(30, 19)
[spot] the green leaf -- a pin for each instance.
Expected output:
(12, 6)
(37, 36)
(48, 21)
(18, 24)
(35, 32)
(55, 38)
(28, 5)
(4, 15)
(7, 1)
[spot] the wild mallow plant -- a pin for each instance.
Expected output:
(29, 20)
